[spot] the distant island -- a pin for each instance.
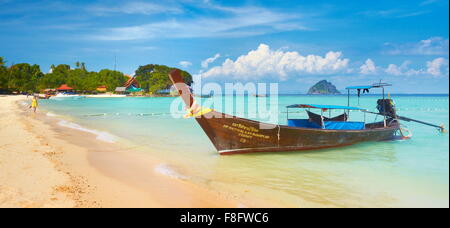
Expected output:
(323, 87)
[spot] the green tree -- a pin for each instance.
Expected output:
(3, 75)
(24, 77)
(29, 78)
(58, 76)
(81, 79)
(76, 78)
(153, 78)
(111, 79)
(91, 81)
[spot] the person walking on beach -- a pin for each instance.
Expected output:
(34, 103)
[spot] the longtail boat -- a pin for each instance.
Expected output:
(231, 134)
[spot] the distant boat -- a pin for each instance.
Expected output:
(67, 95)
(43, 96)
(64, 91)
(260, 95)
(204, 95)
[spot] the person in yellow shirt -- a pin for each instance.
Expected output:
(34, 103)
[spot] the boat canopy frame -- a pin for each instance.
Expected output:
(375, 85)
(367, 87)
(324, 108)
(347, 108)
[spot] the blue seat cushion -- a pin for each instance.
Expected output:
(332, 125)
(339, 125)
(302, 123)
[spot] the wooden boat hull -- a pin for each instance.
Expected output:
(231, 135)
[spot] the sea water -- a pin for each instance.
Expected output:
(403, 173)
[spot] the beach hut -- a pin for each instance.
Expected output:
(131, 82)
(120, 90)
(64, 88)
(50, 91)
(132, 89)
(101, 89)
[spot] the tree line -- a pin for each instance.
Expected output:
(24, 77)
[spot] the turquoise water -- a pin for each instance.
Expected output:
(406, 173)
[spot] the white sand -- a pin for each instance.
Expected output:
(27, 177)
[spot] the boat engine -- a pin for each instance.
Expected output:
(387, 107)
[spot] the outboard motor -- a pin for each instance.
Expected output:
(387, 107)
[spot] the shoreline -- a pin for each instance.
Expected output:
(72, 175)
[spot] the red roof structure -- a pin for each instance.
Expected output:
(101, 88)
(64, 87)
(131, 81)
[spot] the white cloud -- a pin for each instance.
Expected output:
(185, 64)
(207, 61)
(238, 22)
(413, 14)
(145, 8)
(402, 70)
(127, 49)
(393, 13)
(266, 62)
(393, 69)
(428, 2)
(431, 46)
(368, 67)
(438, 67)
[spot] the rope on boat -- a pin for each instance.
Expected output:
(278, 134)
(403, 129)
(196, 110)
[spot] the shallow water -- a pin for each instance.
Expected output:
(405, 173)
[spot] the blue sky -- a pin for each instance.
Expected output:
(295, 43)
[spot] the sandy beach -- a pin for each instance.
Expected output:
(43, 165)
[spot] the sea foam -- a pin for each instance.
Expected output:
(102, 136)
(166, 170)
(50, 114)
